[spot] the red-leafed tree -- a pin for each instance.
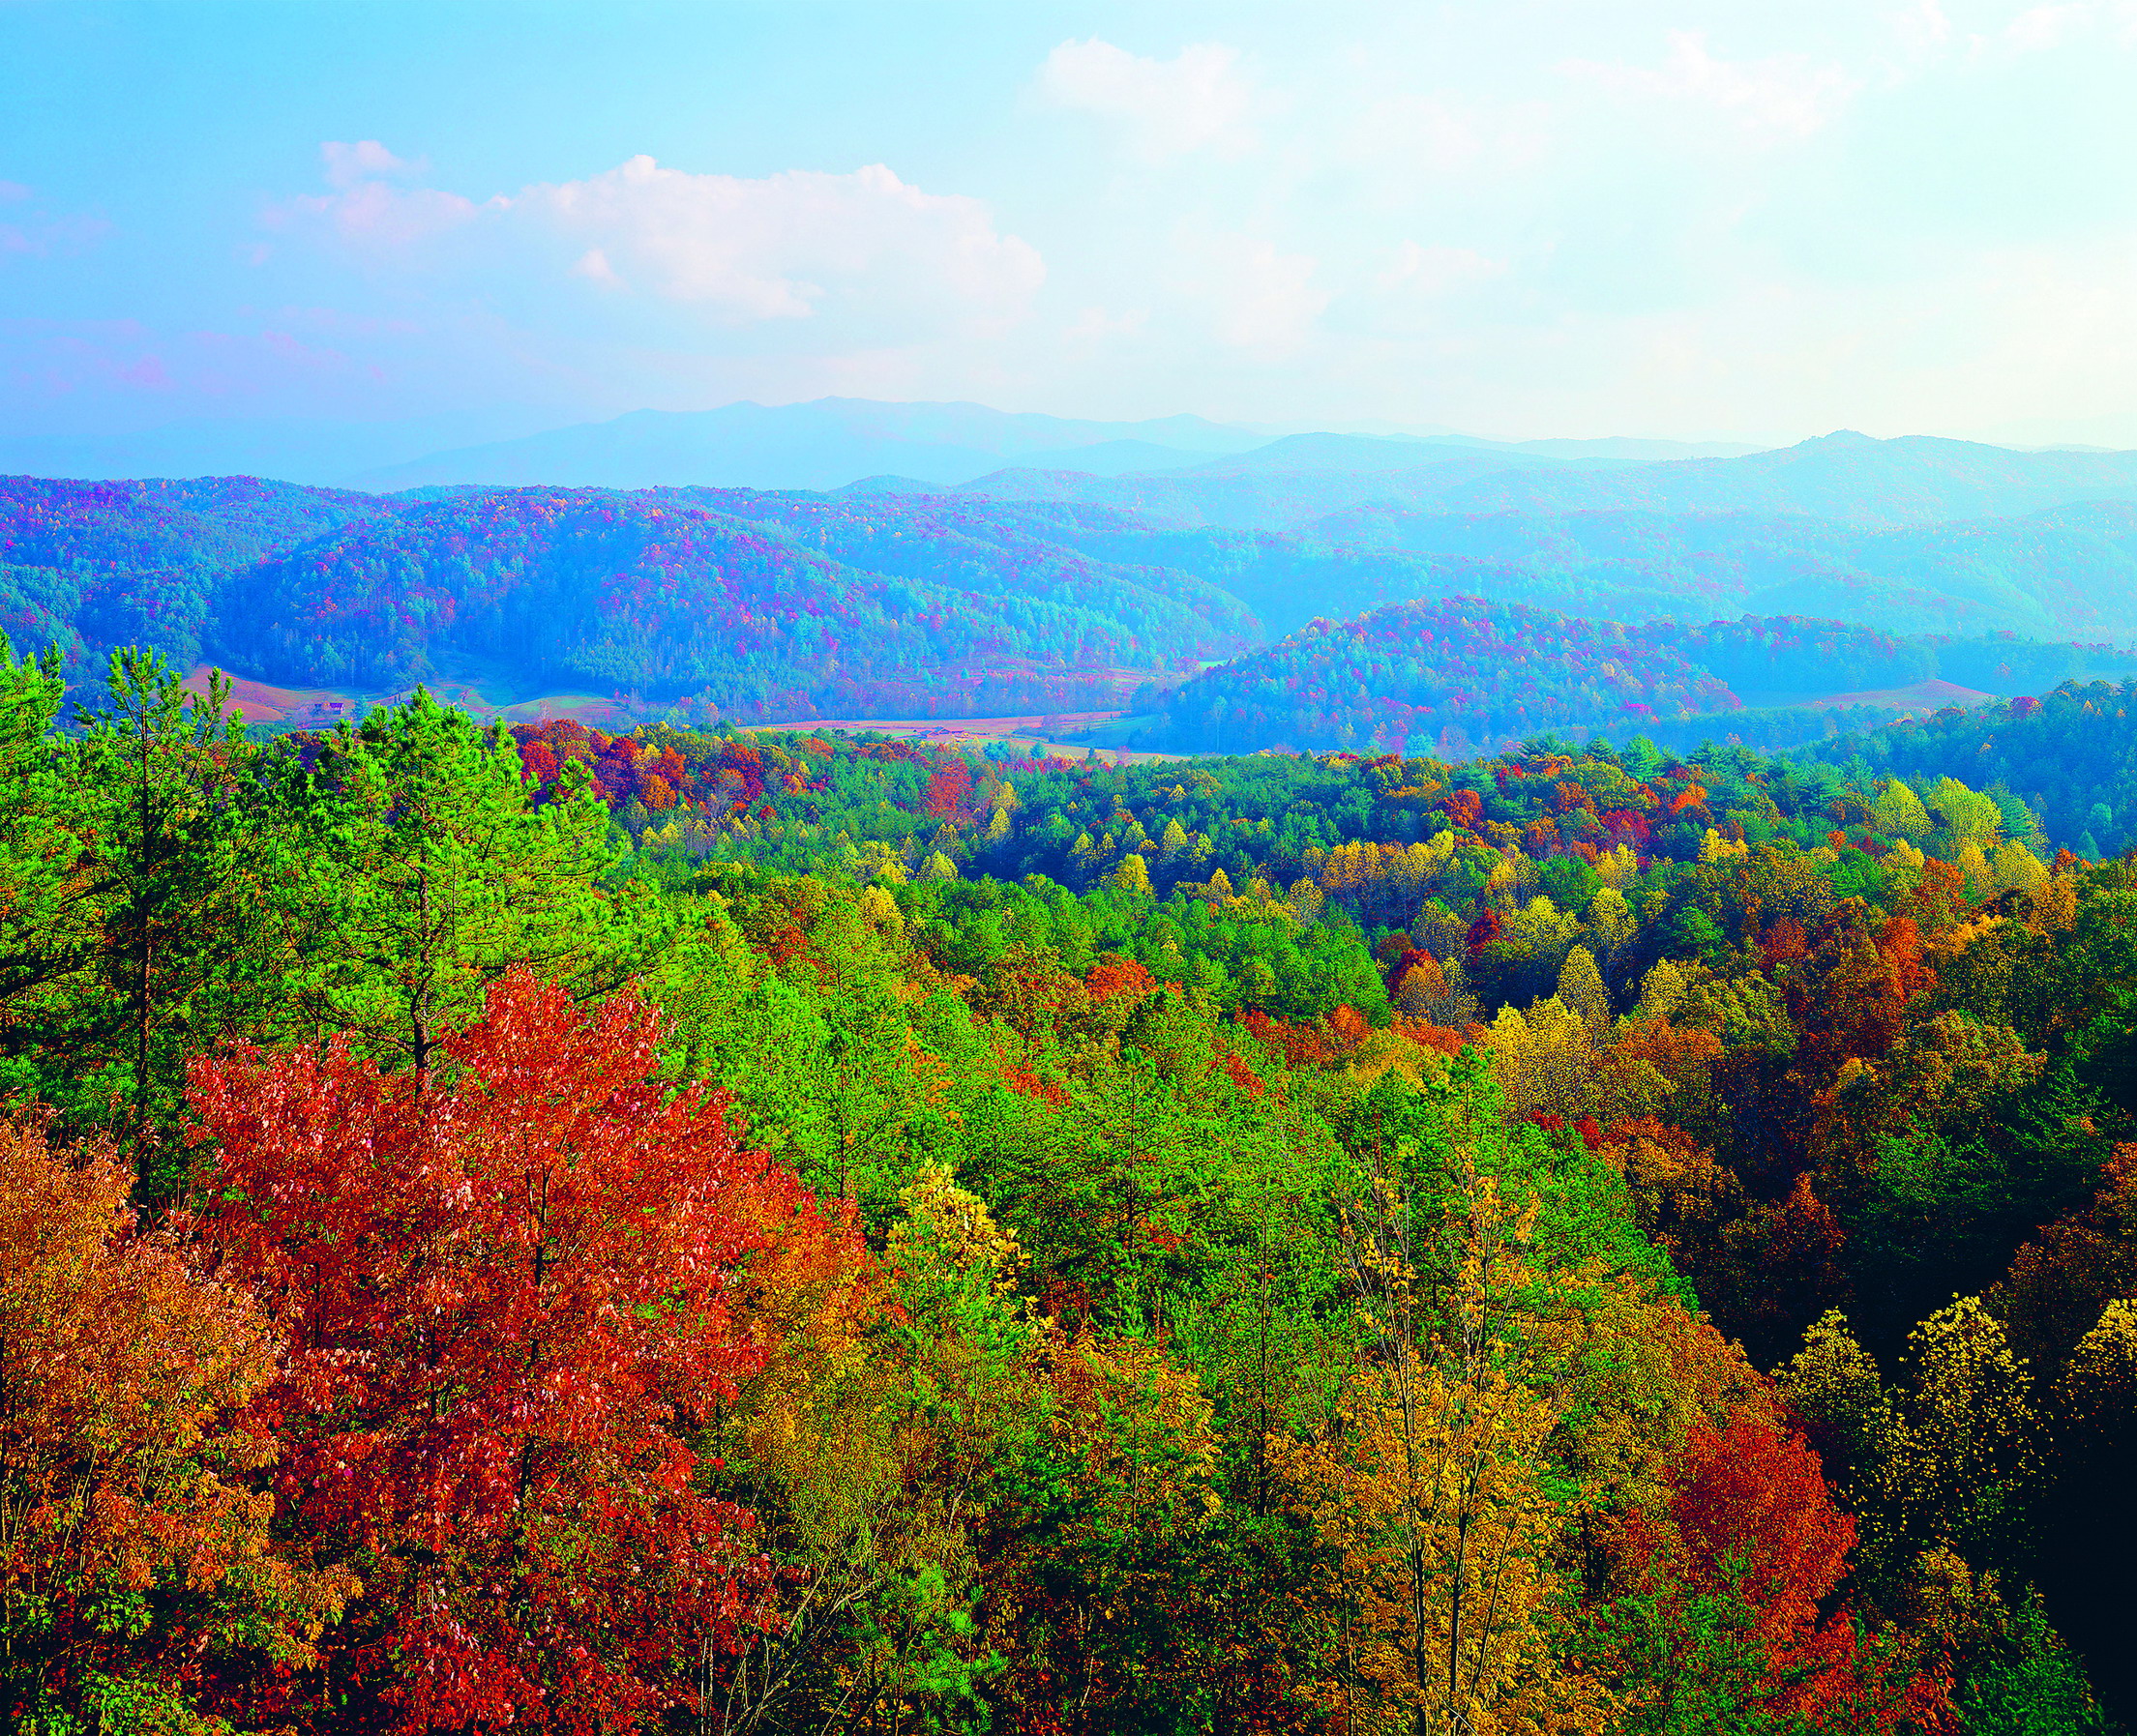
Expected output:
(540, 760)
(947, 788)
(510, 1294)
(1735, 1587)
(1754, 1514)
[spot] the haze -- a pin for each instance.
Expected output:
(452, 224)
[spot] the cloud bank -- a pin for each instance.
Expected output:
(1639, 216)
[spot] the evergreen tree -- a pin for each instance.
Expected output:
(174, 844)
(421, 869)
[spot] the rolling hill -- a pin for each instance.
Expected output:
(86, 565)
(888, 597)
(1460, 674)
(1444, 677)
(665, 595)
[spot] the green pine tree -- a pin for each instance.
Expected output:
(163, 800)
(421, 869)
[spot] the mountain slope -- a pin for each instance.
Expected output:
(1913, 480)
(1460, 672)
(1446, 674)
(665, 596)
(2071, 754)
(86, 565)
(883, 601)
(217, 521)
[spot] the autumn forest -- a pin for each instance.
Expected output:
(535, 1229)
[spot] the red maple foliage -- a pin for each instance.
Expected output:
(948, 788)
(1752, 1523)
(1753, 1510)
(508, 1298)
(1463, 806)
(1483, 932)
(1300, 1044)
(1114, 978)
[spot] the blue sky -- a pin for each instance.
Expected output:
(1586, 216)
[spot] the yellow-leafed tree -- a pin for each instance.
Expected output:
(1430, 1490)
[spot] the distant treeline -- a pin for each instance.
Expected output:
(1460, 673)
(704, 603)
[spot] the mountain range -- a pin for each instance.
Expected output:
(829, 443)
(1844, 476)
(1054, 590)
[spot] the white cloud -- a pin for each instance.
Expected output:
(370, 217)
(41, 233)
(1195, 101)
(1252, 297)
(1412, 135)
(593, 265)
(779, 246)
(1416, 291)
(1094, 325)
(1384, 228)
(367, 160)
(2042, 27)
(784, 247)
(363, 211)
(2057, 23)
(1424, 271)
(1782, 95)
(1923, 27)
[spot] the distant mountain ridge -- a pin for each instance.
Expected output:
(804, 445)
(1046, 589)
(826, 444)
(1913, 480)
(831, 442)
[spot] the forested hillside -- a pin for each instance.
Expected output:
(703, 1231)
(1457, 673)
(2071, 754)
(1464, 673)
(660, 596)
(703, 604)
(89, 566)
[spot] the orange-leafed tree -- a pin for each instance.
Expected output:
(138, 1589)
(511, 1288)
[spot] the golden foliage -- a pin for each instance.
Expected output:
(1544, 1060)
(1431, 1492)
(125, 1460)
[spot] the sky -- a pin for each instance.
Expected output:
(1681, 219)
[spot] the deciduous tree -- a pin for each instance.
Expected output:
(139, 1591)
(509, 1300)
